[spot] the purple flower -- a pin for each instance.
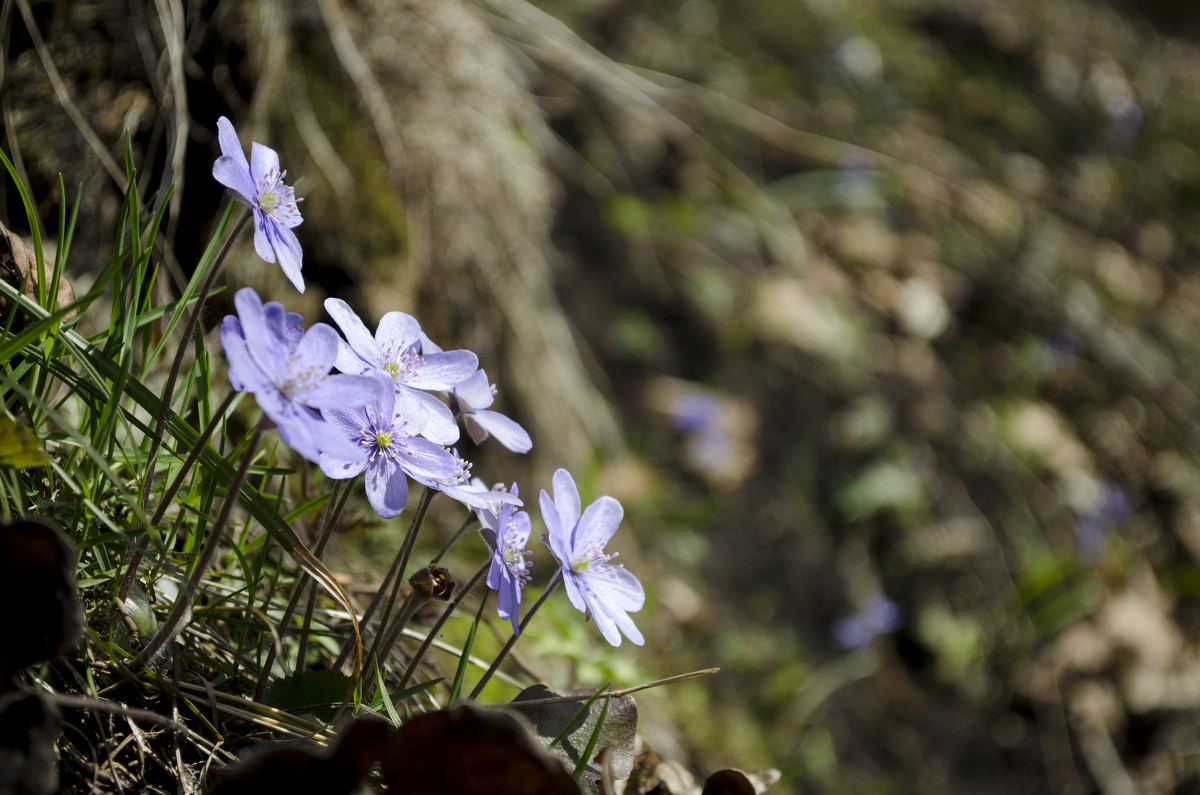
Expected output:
(395, 350)
(506, 531)
(880, 616)
(470, 399)
(287, 371)
(1091, 527)
(460, 486)
(598, 589)
(258, 184)
(387, 432)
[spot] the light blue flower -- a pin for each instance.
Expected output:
(288, 372)
(597, 588)
(387, 432)
(506, 530)
(395, 351)
(258, 184)
(470, 400)
(462, 487)
(879, 616)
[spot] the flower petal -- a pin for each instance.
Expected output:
(397, 332)
(566, 499)
(474, 391)
(316, 351)
(421, 456)
(440, 426)
(506, 431)
(231, 168)
(618, 587)
(443, 370)
(348, 422)
(387, 489)
(341, 468)
(342, 391)
(287, 252)
(575, 591)
(268, 350)
(598, 523)
(263, 161)
(262, 236)
(558, 536)
(360, 340)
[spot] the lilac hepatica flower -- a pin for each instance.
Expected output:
(506, 531)
(880, 616)
(460, 486)
(258, 184)
(470, 399)
(598, 589)
(395, 350)
(386, 431)
(288, 372)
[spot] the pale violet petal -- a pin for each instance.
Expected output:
(443, 370)
(440, 426)
(506, 431)
(566, 499)
(598, 523)
(343, 391)
(341, 468)
(263, 161)
(288, 253)
(474, 391)
(397, 332)
(387, 490)
(360, 341)
(262, 237)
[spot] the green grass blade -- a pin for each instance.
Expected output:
(465, 659)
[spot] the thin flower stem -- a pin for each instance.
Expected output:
(332, 514)
(450, 608)
(453, 539)
(183, 601)
(134, 556)
(198, 448)
(554, 583)
(385, 588)
(333, 509)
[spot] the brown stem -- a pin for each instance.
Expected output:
(554, 583)
(385, 588)
(450, 608)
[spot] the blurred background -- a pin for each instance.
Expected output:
(880, 318)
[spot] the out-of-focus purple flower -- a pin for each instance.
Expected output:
(460, 486)
(694, 410)
(597, 588)
(288, 372)
(1065, 346)
(506, 531)
(258, 184)
(1091, 527)
(387, 432)
(470, 400)
(1124, 117)
(395, 351)
(880, 616)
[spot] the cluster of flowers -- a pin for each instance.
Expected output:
(390, 413)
